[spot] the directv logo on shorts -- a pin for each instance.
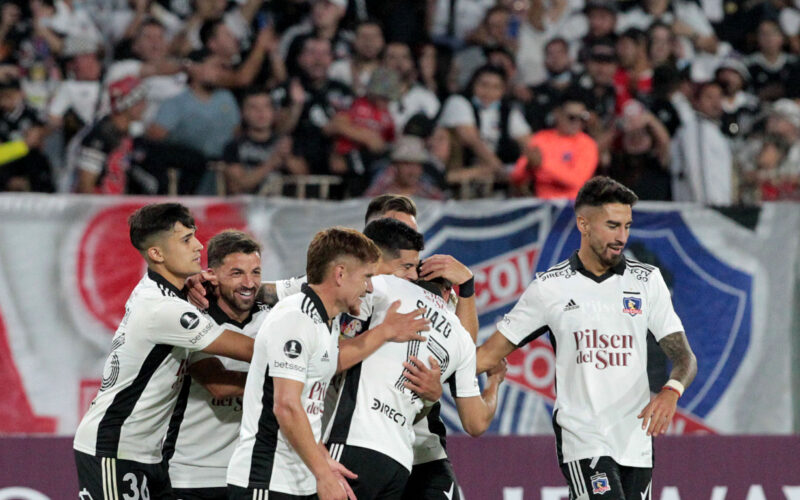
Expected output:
(189, 320)
(292, 349)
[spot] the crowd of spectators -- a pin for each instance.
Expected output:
(685, 100)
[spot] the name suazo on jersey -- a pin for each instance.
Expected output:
(294, 342)
(203, 430)
(598, 327)
(375, 410)
(144, 373)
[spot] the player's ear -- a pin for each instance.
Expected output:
(582, 223)
(155, 254)
(338, 273)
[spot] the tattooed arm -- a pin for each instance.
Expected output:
(267, 293)
(661, 409)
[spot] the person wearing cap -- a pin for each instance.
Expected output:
(75, 100)
(405, 175)
(414, 98)
(23, 167)
(601, 21)
(103, 155)
(739, 107)
(365, 131)
(356, 69)
(598, 80)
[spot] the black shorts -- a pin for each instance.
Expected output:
(201, 493)
(432, 481)
(102, 478)
(605, 479)
(379, 476)
(239, 493)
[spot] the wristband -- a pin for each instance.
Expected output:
(674, 385)
(467, 288)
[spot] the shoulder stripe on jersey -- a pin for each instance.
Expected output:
(560, 265)
(110, 427)
(346, 407)
(534, 335)
(168, 449)
(263, 458)
(435, 424)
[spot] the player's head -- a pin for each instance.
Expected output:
(400, 247)
(604, 210)
(392, 206)
(439, 286)
(234, 258)
(164, 233)
(343, 260)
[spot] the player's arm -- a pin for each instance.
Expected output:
(293, 422)
(233, 345)
(267, 293)
(491, 352)
(657, 415)
(396, 327)
(449, 268)
(221, 383)
(476, 412)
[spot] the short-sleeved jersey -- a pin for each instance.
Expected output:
(429, 433)
(598, 327)
(294, 342)
(144, 373)
(375, 409)
(204, 429)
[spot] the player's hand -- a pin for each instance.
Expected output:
(195, 286)
(498, 371)
(403, 327)
(444, 266)
(659, 412)
(424, 381)
(329, 488)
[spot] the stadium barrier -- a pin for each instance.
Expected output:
(500, 468)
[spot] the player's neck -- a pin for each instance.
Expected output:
(175, 280)
(591, 262)
(230, 312)
(327, 295)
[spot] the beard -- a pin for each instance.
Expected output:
(237, 303)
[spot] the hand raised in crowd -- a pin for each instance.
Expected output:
(403, 327)
(196, 288)
(444, 266)
(425, 382)
(266, 40)
(297, 93)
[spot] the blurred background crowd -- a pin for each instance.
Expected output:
(685, 100)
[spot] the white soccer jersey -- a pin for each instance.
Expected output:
(375, 410)
(144, 373)
(598, 327)
(294, 342)
(203, 430)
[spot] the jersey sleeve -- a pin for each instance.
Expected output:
(289, 350)
(527, 320)
(176, 322)
(463, 382)
(288, 287)
(662, 319)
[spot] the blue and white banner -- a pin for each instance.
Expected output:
(66, 268)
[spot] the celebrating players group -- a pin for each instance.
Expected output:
(221, 386)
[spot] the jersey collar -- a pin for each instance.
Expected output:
(221, 317)
(311, 294)
(165, 285)
(576, 265)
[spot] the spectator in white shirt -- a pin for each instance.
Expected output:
(414, 98)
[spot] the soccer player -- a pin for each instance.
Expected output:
(118, 442)
(206, 421)
(297, 351)
(597, 307)
(372, 431)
